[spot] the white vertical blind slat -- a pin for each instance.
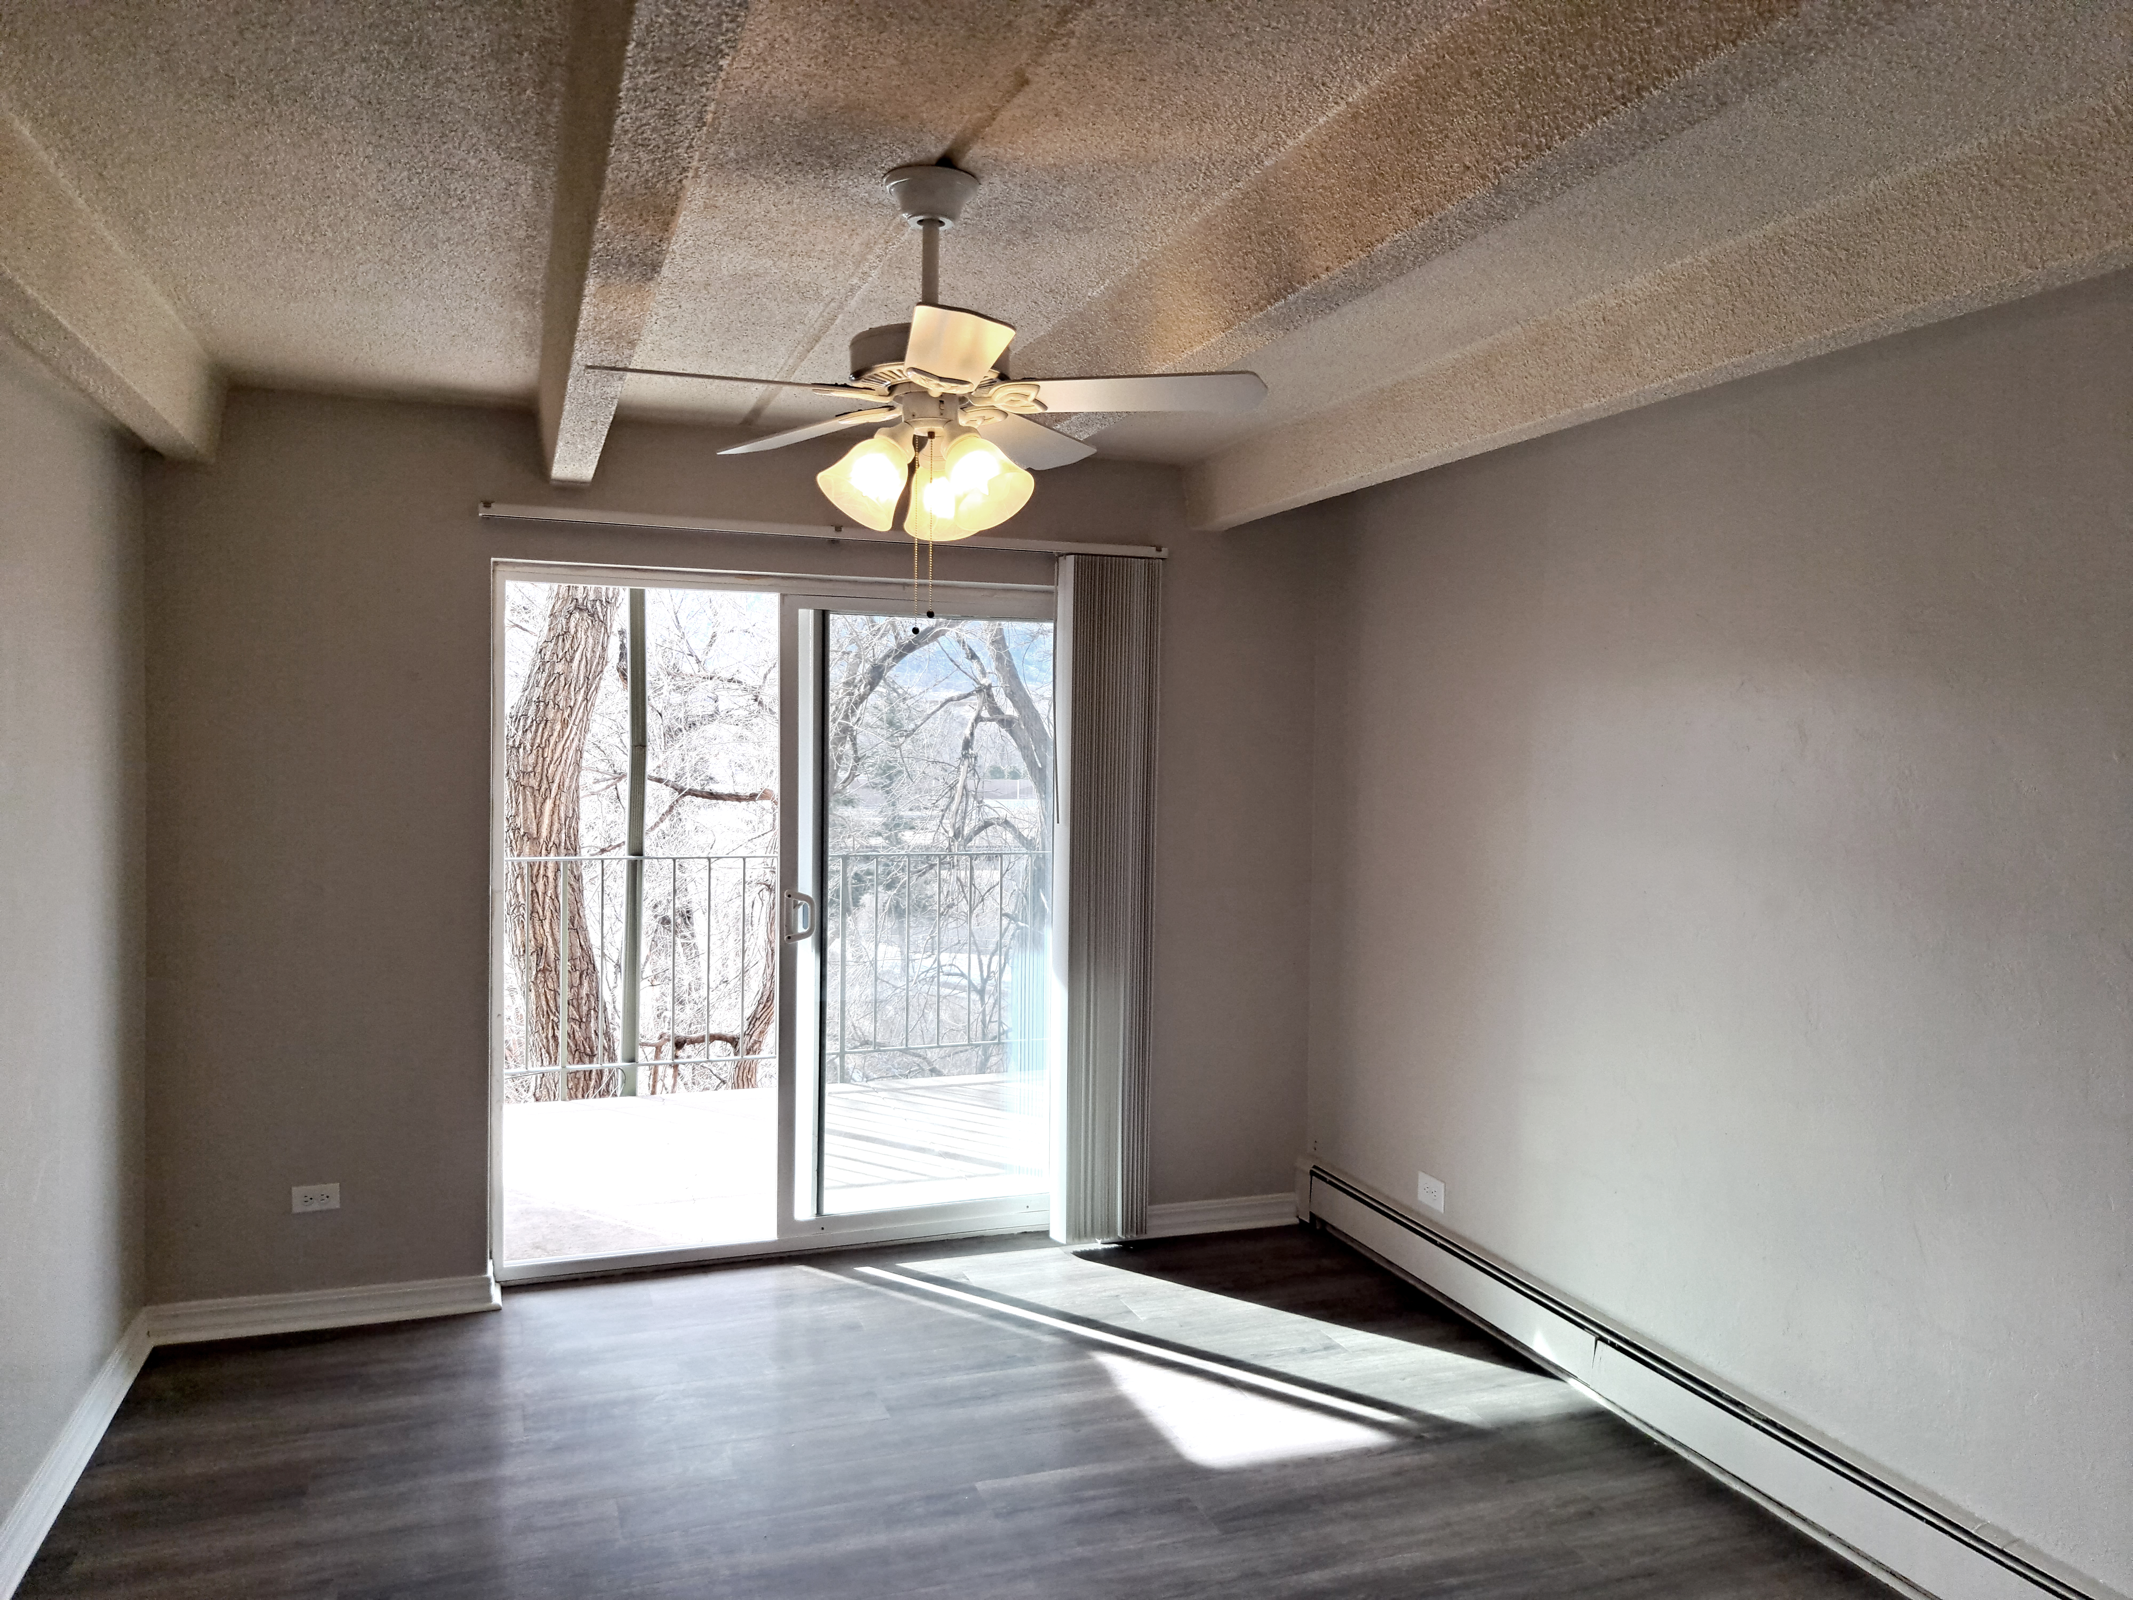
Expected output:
(1110, 620)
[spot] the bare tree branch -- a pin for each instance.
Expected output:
(689, 793)
(859, 688)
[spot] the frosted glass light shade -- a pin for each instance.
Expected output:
(963, 485)
(988, 487)
(867, 480)
(931, 515)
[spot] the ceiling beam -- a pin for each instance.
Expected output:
(1510, 104)
(73, 296)
(640, 87)
(2040, 204)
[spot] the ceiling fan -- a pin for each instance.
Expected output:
(956, 432)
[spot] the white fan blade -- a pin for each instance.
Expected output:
(1033, 446)
(814, 430)
(1162, 391)
(844, 390)
(958, 345)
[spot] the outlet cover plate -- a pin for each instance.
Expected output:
(1430, 1191)
(315, 1197)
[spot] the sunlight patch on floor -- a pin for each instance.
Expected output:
(1212, 1424)
(1420, 1379)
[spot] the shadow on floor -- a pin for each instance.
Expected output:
(1310, 1273)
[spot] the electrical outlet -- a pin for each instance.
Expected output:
(1430, 1191)
(315, 1197)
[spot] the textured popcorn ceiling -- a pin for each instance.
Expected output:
(333, 195)
(1378, 205)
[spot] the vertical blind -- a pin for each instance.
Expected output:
(1110, 617)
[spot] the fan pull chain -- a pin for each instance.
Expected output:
(915, 543)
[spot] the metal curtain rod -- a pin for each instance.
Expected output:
(495, 512)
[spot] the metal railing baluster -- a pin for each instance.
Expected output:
(969, 920)
(904, 943)
(844, 958)
(562, 981)
(673, 969)
(711, 939)
(938, 876)
(525, 985)
(874, 960)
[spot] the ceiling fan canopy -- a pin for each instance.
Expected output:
(956, 439)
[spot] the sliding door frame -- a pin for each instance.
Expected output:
(802, 661)
(1008, 1213)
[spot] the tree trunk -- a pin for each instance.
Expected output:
(755, 1032)
(544, 755)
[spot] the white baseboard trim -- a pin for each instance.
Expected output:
(1220, 1216)
(39, 1504)
(977, 1222)
(189, 1322)
(248, 1316)
(1898, 1532)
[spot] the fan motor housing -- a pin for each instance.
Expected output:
(879, 347)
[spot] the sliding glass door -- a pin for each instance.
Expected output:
(936, 896)
(771, 914)
(638, 938)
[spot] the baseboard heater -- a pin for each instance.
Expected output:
(1920, 1548)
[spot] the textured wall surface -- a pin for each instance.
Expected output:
(1724, 862)
(70, 907)
(319, 687)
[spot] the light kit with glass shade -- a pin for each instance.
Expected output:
(961, 483)
(957, 439)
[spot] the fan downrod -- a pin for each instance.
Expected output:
(931, 198)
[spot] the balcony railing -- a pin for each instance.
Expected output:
(936, 966)
(935, 963)
(706, 996)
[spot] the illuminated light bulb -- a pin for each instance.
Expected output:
(972, 464)
(933, 499)
(988, 487)
(868, 480)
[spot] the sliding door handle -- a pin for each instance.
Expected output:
(796, 902)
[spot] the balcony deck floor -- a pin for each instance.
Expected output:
(659, 1172)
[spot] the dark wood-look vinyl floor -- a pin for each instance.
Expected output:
(1244, 1415)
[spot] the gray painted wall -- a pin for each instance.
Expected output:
(1724, 869)
(70, 907)
(1229, 1037)
(319, 693)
